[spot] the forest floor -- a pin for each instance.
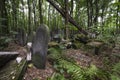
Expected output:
(82, 58)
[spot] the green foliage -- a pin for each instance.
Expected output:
(116, 69)
(71, 27)
(77, 45)
(75, 71)
(106, 38)
(93, 72)
(13, 32)
(116, 4)
(4, 42)
(36, 79)
(114, 77)
(78, 73)
(116, 72)
(57, 76)
(54, 53)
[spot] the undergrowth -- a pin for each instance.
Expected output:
(115, 75)
(74, 71)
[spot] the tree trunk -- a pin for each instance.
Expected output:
(102, 15)
(34, 8)
(66, 19)
(22, 1)
(88, 13)
(40, 11)
(96, 13)
(118, 19)
(4, 17)
(72, 6)
(49, 15)
(29, 16)
(91, 13)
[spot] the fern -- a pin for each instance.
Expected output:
(75, 71)
(116, 72)
(57, 76)
(4, 42)
(116, 68)
(93, 72)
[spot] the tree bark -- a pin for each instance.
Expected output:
(88, 14)
(4, 17)
(71, 10)
(91, 12)
(118, 20)
(34, 8)
(40, 11)
(22, 2)
(66, 19)
(96, 12)
(29, 16)
(49, 15)
(70, 19)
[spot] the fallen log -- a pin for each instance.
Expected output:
(13, 70)
(70, 19)
(5, 57)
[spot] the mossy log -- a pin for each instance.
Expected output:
(53, 44)
(81, 38)
(13, 71)
(6, 57)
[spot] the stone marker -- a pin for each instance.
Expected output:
(40, 46)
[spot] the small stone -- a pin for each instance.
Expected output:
(13, 77)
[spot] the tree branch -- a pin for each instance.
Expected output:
(70, 19)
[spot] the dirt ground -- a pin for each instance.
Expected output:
(82, 58)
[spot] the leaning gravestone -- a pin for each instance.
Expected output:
(40, 46)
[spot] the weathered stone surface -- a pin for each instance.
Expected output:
(40, 46)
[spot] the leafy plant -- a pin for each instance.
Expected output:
(116, 69)
(116, 72)
(57, 76)
(4, 42)
(63, 65)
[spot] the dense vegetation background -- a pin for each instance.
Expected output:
(94, 15)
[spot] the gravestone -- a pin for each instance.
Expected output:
(40, 46)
